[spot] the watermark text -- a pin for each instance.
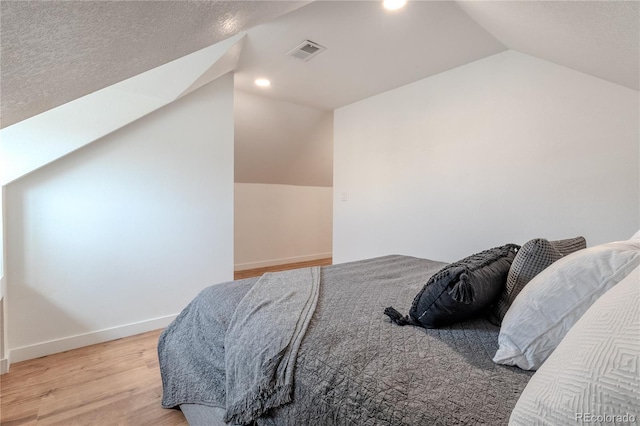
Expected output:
(605, 418)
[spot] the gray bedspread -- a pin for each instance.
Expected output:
(354, 366)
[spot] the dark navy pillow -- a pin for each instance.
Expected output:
(461, 290)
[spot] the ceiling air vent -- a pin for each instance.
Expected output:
(306, 50)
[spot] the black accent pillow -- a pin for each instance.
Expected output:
(461, 290)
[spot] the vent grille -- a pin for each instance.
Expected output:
(306, 50)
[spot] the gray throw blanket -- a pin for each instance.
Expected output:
(235, 346)
(263, 339)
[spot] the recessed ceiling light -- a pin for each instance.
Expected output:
(394, 4)
(262, 82)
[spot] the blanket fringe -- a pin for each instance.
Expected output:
(397, 317)
(255, 403)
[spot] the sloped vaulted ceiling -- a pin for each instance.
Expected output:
(369, 50)
(55, 51)
(601, 38)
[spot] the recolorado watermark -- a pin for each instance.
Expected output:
(606, 418)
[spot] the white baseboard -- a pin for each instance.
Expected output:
(274, 262)
(86, 339)
(4, 366)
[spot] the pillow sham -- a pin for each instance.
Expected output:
(555, 299)
(460, 290)
(534, 256)
(593, 371)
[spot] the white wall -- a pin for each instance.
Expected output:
(277, 224)
(501, 150)
(282, 143)
(283, 174)
(117, 237)
(4, 365)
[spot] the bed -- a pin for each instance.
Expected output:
(313, 347)
(353, 366)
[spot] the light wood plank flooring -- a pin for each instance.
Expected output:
(248, 273)
(112, 383)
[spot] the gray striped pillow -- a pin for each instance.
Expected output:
(532, 259)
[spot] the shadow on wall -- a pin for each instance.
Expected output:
(35, 313)
(43, 320)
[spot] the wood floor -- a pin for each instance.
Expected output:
(112, 383)
(238, 275)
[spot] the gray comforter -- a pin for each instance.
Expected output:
(354, 366)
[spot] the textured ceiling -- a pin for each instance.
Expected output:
(601, 38)
(55, 51)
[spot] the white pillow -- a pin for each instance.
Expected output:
(635, 236)
(592, 377)
(556, 298)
